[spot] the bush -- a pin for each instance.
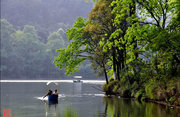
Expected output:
(105, 87)
(140, 94)
(115, 89)
(112, 85)
(151, 89)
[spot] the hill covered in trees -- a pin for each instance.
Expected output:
(32, 31)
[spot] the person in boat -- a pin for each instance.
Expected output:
(48, 93)
(55, 92)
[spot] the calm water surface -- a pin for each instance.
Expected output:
(75, 99)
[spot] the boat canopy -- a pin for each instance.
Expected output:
(49, 82)
(77, 76)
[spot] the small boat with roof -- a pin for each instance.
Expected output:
(77, 79)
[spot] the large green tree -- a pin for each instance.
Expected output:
(70, 57)
(131, 37)
(54, 42)
(148, 31)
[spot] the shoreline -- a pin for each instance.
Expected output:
(145, 100)
(164, 103)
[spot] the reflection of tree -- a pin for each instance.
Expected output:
(118, 107)
(77, 89)
(52, 109)
(48, 106)
(68, 112)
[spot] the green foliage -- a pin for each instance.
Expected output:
(151, 90)
(24, 55)
(140, 94)
(133, 41)
(163, 91)
(29, 51)
(105, 87)
(55, 41)
(111, 87)
(6, 45)
(70, 113)
(70, 57)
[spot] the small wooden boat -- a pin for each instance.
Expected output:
(52, 97)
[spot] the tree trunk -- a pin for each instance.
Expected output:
(105, 73)
(114, 64)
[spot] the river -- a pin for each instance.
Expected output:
(24, 99)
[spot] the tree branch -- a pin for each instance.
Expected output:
(150, 11)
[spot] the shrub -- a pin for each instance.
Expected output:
(151, 90)
(140, 94)
(108, 88)
(105, 87)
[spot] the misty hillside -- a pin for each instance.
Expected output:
(32, 31)
(44, 13)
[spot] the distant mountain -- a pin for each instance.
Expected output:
(50, 14)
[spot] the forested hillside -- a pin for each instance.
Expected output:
(32, 31)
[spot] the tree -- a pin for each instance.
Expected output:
(28, 52)
(55, 41)
(6, 47)
(70, 57)
(151, 17)
(97, 39)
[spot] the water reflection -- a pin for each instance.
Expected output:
(69, 113)
(77, 88)
(117, 107)
(52, 110)
(90, 103)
